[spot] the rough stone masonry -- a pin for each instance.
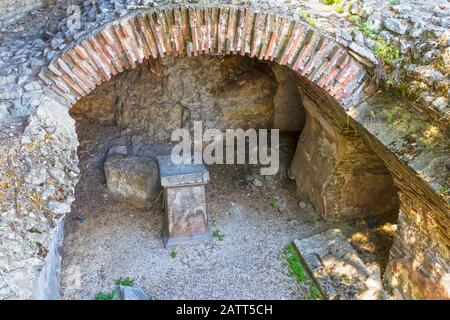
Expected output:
(377, 71)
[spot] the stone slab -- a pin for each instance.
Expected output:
(132, 293)
(174, 175)
(337, 269)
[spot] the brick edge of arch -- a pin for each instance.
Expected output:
(123, 44)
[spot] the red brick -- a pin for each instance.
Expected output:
(106, 60)
(297, 42)
(131, 41)
(140, 38)
(165, 35)
(94, 57)
(231, 30)
(111, 39)
(148, 36)
(157, 35)
(214, 29)
(223, 18)
(76, 80)
(274, 36)
(308, 50)
(265, 36)
(207, 19)
(200, 30)
(323, 49)
(193, 24)
(328, 64)
(257, 32)
(125, 46)
(88, 80)
(246, 32)
(238, 40)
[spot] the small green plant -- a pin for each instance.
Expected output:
(106, 295)
(355, 19)
(389, 82)
(386, 51)
(173, 254)
(311, 22)
(307, 16)
(368, 31)
(444, 191)
(345, 278)
(372, 114)
(389, 117)
(294, 263)
(129, 282)
(314, 293)
(304, 14)
(403, 87)
(331, 2)
(273, 203)
(393, 2)
(212, 221)
(339, 7)
(218, 235)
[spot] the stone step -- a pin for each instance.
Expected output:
(337, 269)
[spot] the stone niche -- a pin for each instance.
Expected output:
(222, 92)
(339, 172)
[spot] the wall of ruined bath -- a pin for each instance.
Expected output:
(338, 171)
(38, 173)
(12, 10)
(223, 93)
(418, 266)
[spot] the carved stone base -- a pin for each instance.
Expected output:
(185, 217)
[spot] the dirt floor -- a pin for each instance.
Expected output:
(253, 221)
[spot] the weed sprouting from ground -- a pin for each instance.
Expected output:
(387, 51)
(274, 203)
(173, 254)
(294, 263)
(106, 295)
(298, 273)
(218, 235)
(129, 282)
(212, 221)
(314, 293)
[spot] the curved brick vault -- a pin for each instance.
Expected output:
(121, 45)
(329, 75)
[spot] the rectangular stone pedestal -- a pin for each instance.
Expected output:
(185, 217)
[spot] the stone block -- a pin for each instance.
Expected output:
(337, 269)
(133, 179)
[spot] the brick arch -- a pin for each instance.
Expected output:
(121, 45)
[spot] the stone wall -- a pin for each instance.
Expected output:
(339, 173)
(38, 173)
(12, 10)
(223, 93)
(405, 43)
